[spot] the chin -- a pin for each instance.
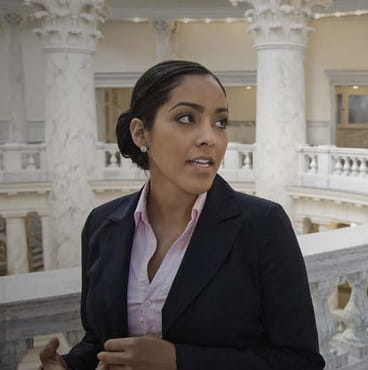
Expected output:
(197, 187)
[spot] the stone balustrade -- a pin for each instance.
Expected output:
(48, 302)
(238, 163)
(332, 258)
(324, 167)
(27, 163)
(330, 167)
(23, 162)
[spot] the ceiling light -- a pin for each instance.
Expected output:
(186, 20)
(207, 20)
(136, 19)
(355, 87)
(249, 87)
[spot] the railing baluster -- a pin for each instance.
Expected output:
(355, 338)
(355, 167)
(326, 323)
(363, 168)
(338, 165)
(347, 166)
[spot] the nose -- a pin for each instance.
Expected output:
(206, 134)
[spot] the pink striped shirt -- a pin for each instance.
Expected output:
(145, 299)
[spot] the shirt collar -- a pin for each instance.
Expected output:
(140, 213)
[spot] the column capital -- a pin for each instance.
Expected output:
(281, 23)
(69, 24)
(163, 25)
(14, 20)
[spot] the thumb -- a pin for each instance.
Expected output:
(49, 351)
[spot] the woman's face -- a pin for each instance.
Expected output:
(188, 139)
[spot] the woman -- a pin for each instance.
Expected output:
(188, 274)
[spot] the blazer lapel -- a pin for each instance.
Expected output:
(116, 241)
(210, 244)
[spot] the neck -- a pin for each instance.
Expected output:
(168, 205)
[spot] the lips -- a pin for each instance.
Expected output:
(202, 162)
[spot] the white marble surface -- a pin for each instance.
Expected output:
(71, 137)
(37, 285)
(164, 34)
(280, 36)
(280, 121)
(69, 33)
(17, 252)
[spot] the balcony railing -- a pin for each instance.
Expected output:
(326, 167)
(48, 302)
(334, 168)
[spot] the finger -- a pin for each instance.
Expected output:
(49, 351)
(115, 358)
(119, 344)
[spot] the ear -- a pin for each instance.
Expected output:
(137, 132)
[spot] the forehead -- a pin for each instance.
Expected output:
(198, 88)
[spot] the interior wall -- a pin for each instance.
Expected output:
(242, 108)
(219, 46)
(336, 44)
(125, 47)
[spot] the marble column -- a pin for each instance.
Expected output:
(280, 32)
(302, 225)
(69, 33)
(323, 224)
(16, 243)
(164, 30)
(14, 27)
(49, 253)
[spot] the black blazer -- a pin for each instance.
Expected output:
(240, 299)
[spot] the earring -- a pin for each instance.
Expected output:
(143, 149)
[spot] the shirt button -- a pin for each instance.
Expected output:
(148, 303)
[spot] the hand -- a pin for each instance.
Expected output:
(50, 359)
(138, 353)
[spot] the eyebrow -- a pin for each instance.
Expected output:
(197, 107)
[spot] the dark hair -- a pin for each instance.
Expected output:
(151, 91)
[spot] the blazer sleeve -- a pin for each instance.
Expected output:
(83, 356)
(288, 320)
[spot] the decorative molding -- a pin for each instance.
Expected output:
(172, 12)
(275, 24)
(347, 77)
(312, 123)
(128, 79)
(68, 24)
(242, 123)
(237, 78)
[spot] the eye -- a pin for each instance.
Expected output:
(222, 123)
(185, 118)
